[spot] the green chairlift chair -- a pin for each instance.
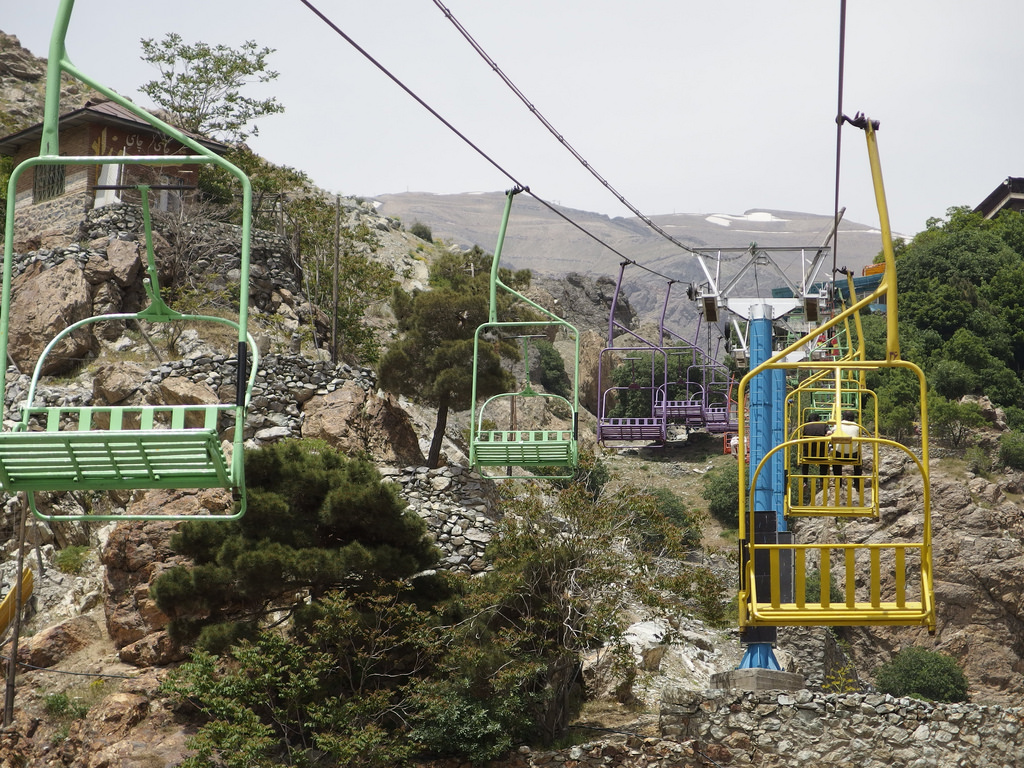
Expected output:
(109, 448)
(537, 452)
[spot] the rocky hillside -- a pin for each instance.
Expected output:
(22, 87)
(97, 638)
(101, 625)
(94, 647)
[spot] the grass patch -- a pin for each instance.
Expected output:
(72, 559)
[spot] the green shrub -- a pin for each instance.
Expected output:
(450, 722)
(60, 705)
(422, 231)
(685, 524)
(921, 672)
(590, 471)
(1011, 449)
(1014, 417)
(72, 559)
(722, 491)
(978, 461)
(812, 588)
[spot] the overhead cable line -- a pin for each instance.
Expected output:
(554, 132)
(464, 138)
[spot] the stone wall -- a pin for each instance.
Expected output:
(270, 256)
(458, 508)
(458, 505)
(271, 268)
(60, 212)
(613, 751)
(756, 729)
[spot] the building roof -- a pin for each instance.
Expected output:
(1009, 194)
(107, 112)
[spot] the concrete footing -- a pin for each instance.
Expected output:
(757, 680)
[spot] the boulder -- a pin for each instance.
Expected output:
(177, 390)
(114, 384)
(591, 344)
(122, 265)
(156, 649)
(118, 713)
(354, 420)
(136, 553)
(56, 643)
(45, 301)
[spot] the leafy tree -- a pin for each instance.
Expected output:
(953, 379)
(316, 522)
(374, 671)
(636, 378)
(432, 360)
(917, 671)
(470, 271)
(361, 281)
(960, 297)
(898, 421)
(1014, 417)
(339, 684)
(953, 421)
(552, 376)
(200, 85)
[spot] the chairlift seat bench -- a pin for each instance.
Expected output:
(632, 428)
(527, 448)
(116, 448)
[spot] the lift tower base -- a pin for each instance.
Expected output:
(755, 679)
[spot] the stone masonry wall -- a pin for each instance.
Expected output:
(458, 508)
(456, 503)
(801, 728)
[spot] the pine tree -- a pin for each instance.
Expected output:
(316, 522)
(433, 359)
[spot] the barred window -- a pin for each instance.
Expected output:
(49, 182)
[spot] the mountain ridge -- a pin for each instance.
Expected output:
(540, 240)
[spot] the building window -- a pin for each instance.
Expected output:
(48, 183)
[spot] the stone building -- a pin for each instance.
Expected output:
(50, 196)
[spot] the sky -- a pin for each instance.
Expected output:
(681, 106)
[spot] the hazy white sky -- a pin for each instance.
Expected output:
(683, 106)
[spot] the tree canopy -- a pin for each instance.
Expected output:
(961, 305)
(316, 522)
(432, 360)
(373, 677)
(200, 85)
